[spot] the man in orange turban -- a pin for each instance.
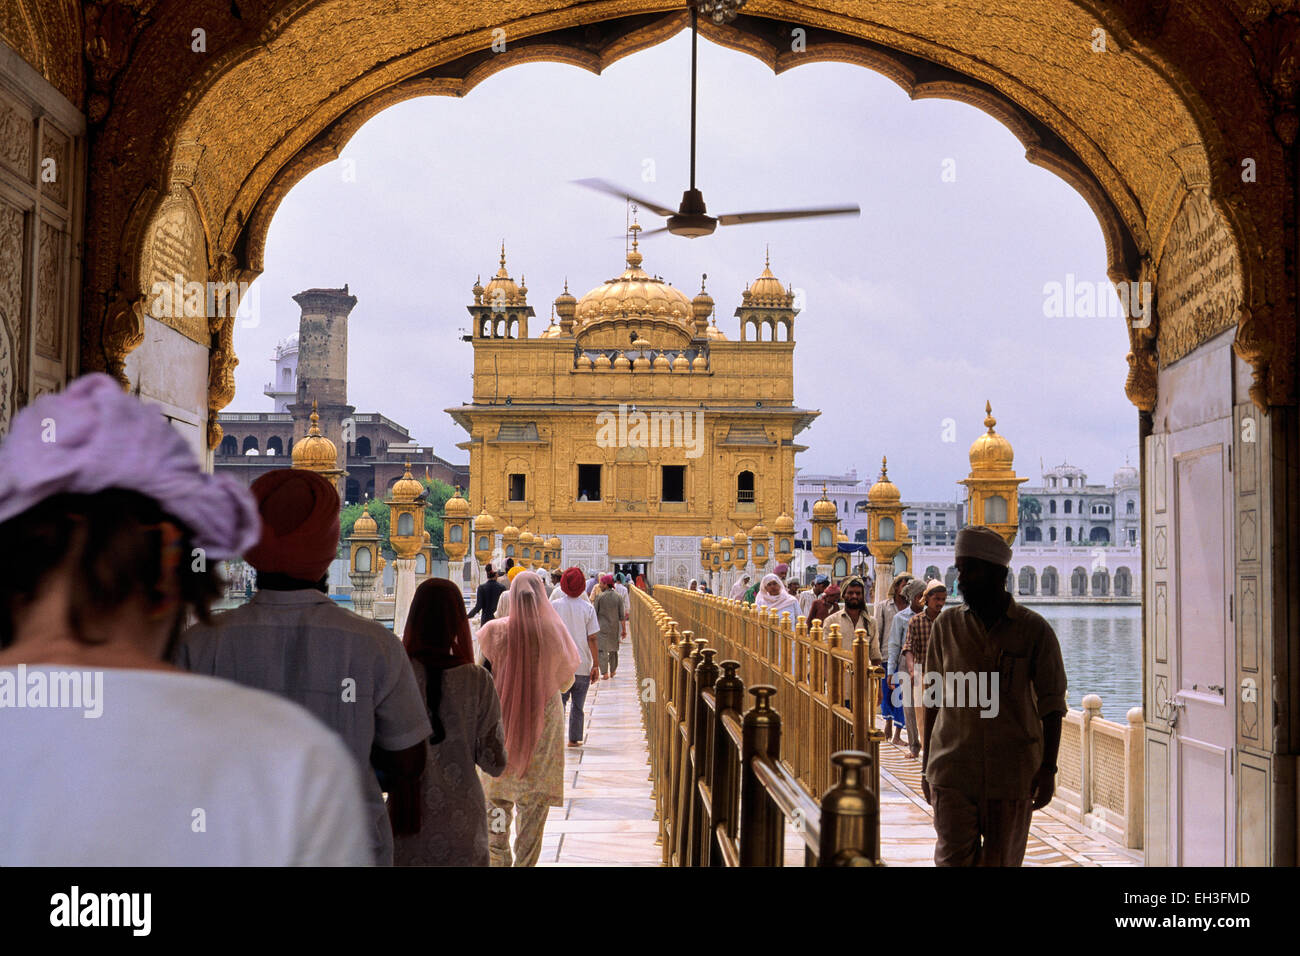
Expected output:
(293, 640)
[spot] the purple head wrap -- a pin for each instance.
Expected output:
(93, 436)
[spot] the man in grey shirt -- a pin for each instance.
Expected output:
(293, 640)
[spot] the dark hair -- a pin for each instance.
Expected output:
(437, 635)
(117, 548)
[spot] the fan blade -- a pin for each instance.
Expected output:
(740, 218)
(603, 186)
(653, 232)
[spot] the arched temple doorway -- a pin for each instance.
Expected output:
(1198, 167)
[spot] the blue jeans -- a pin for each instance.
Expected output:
(579, 694)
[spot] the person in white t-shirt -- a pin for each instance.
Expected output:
(579, 619)
(109, 756)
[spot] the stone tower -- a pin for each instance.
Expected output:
(323, 363)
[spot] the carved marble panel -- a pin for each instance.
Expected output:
(1248, 535)
(54, 164)
(49, 291)
(1198, 279)
(15, 137)
(175, 254)
(11, 310)
(1158, 477)
(1160, 622)
(1161, 547)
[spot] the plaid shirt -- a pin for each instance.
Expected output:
(918, 638)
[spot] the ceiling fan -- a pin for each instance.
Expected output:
(691, 218)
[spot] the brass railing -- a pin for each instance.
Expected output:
(723, 786)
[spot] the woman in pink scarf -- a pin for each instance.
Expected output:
(533, 660)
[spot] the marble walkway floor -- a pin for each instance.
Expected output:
(608, 815)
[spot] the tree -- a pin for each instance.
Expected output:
(439, 492)
(1031, 510)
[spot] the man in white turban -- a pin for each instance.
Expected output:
(989, 761)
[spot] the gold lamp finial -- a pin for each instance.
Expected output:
(989, 420)
(503, 272)
(314, 430)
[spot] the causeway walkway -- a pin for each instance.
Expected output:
(608, 816)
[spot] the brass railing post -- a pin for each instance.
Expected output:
(871, 676)
(729, 694)
(706, 675)
(683, 734)
(850, 821)
(760, 821)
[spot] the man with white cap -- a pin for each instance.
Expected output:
(808, 595)
(989, 763)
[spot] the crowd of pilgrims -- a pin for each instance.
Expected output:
(285, 731)
(292, 731)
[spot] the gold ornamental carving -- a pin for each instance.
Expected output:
(174, 267)
(123, 333)
(1199, 279)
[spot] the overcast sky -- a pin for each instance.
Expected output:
(916, 312)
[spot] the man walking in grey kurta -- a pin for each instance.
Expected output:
(610, 615)
(994, 694)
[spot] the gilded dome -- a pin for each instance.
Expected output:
(767, 290)
(406, 488)
(502, 288)
(602, 360)
(702, 304)
(584, 361)
(662, 361)
(700, 363)
(365, 525)
(315, 452)
(741, 539)
(511, 532)
(715, 333)
(681, 363)
(552, 331)
(427, 537)
(553, 543)
(623, 363)
(759, 530)
(884, 491)
(527, 538)
(991, 452)
(823, 507)
(783, 524)
(456, 507)
(634, 294)
(706, 543)
(485, 523)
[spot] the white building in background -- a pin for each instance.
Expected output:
(848, 491)
(283, 387)
(1084, 545)
(1075, 513)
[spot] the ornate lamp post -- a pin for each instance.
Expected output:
(993, 486)
(706, 547)
(524, 553)
(554, 549)
(405, 536)
(760, 540)
(784, 545)
(887, 536)
(825, 522)
(363, 563)
(485, 527)
(725, 564)
(456, 536)
(740, 555)
(510, 542)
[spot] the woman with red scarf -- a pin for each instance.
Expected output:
(441, 821)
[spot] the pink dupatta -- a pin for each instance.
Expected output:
(532, 658)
